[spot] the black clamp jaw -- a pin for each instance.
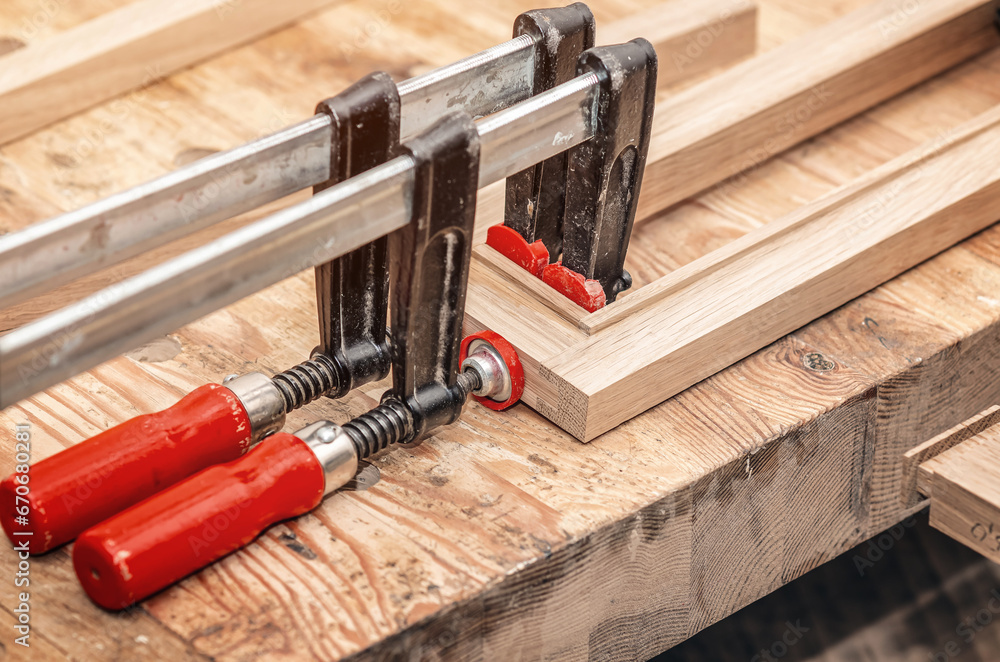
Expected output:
(535, 200)
(430, 273)
(424, 267)
(605, 173)
(573, 213)
(352, 292)
(580, 205)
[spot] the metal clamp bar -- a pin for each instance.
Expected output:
(328, 225)
(229, 183)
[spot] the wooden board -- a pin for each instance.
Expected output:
(963, 483)
(912, 487)
(691, 37)
(735, 121)
(131, 47)
(502, 536)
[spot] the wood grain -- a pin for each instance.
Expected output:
(129, 48)
(488, 538)
(691, 37)
(934, 446)
(685, 326)
(963, 484)
(757, 109)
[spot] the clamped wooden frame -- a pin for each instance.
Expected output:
(589, 372)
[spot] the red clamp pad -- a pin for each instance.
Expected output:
(580, 290)
(532, 257)
(509, 356)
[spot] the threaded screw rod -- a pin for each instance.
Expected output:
(392, 421)
(309, 380)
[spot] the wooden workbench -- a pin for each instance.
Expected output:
(501, 537)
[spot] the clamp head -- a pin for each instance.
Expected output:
(499, 369)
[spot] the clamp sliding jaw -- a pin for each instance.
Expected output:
(536, 197)
(582, 204)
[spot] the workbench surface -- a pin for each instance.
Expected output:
(501, 537)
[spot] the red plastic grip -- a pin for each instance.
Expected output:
(91, 481)
(168, 536)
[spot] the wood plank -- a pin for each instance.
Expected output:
(125, 49)
(934, 446)
(757, 109)
(691, 37)
(937, 323)
(963, 484)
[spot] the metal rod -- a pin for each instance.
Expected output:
(481, 84)
(328, 225)
(48, 254)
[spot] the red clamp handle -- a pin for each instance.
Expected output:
(91, 481)
(197, 521)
